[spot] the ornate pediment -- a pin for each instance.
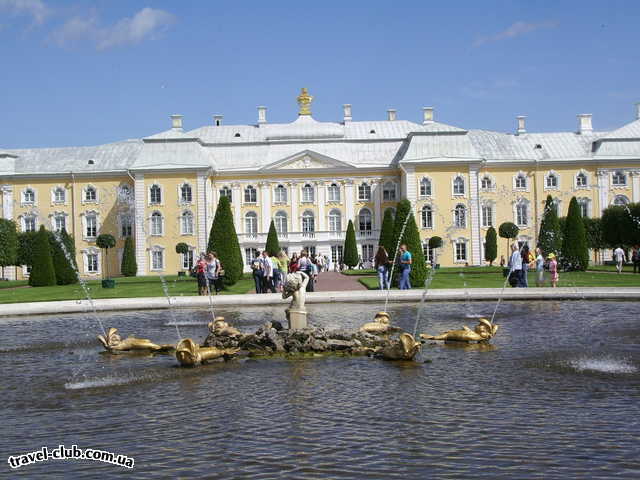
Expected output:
(307, 159)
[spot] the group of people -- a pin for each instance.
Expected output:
(208, 270)
(270, 271)
(383, 265)
(522, 260)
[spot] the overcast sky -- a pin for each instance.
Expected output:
(85, 73)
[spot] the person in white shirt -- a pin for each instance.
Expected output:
(515, 265)
(619, 256)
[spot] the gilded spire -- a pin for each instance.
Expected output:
(304, 100)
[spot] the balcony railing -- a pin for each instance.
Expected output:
(257, 239)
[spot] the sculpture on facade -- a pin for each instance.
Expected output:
(190, 354)
(483, 332)
(405, 348)
(113, 343)
(304, 100)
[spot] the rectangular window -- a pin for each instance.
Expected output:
(427, 251)
(389, 193)
(310, 249)
(336, 254)
(126, 229)
(521, 215)
(59, 195)
(461, 252)
(60, 222)
(307, 194)
(334, 193)
(92, 262)
(187, 260)
(29, 224)
(487, 216)
(364, 192)
(226, 192)
(367, 253)
(92, 226)
(619, 179)
(584, 208)
(250, 254)
(155, 195)
(280, 194)
(157, 260)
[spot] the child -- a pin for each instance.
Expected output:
(553, 269)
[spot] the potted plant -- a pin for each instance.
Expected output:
(106, 241)
(183, 249)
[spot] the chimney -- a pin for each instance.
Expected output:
(427, 115)
(176, 122)
(346, 108)
(584, 124)
(262, 115)
(638, 111)
(391, 114)
(521, 125)
(217, 120)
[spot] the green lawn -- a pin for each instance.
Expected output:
(126, 287)
(482, 280)
(627, 267)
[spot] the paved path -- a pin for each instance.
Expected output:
(336, 282)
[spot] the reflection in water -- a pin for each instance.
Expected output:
(334, 417)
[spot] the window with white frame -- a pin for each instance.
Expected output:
(460, 250)
(460, 216)
(620, 200)
(522, 213)
(93, 264)
(521, 181)
(427, 251)
(251, 223)
(551, 181)
(618, 179)
(333, 192)
(29, 223)
(336, 254)
(59, 222)
(367, 253)
(308, 194)
(250, 194)
(425, 187)
(486, 183)
(59, 195)
(583, 203)
(308, 222)
(186, 195)
(458, 185)
(555, 204)
(581, 180)
(125, 195)
(310, 249)
(156, 223)
(91, 224)
(126, 226)
(155, 195)
(280, 194)
(335, 221)
(389, 192)
(29, 196)
(90, 194)
(364, 220)
(187, 260)
(157, 259)
(250, 254)
(186, 223)
(364, 192)
(281, 223)
(226, 192)
(426, 215)
(486, 214)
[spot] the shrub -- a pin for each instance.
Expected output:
(575, 254)
(411, 237)
(106, 241)
(65, 268)
(8, 243)
(508, 230)
(42, 272)
(273, 245)
(129, 266)
(386, 232)
(350, 255)
(26, 245)
(550, 235)
(224, 241)
(491, 245)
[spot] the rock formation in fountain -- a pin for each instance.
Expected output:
(483, 332)
(113, 343)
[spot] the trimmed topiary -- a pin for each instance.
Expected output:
(106, 241)
(435, 243)
(273, 245)
(224, 241)
(491, 245)
(42, 271)
(65, 268)
(550, 235)
(129, 266)
(508, 230)
(350, 255)
(386, 232)
(411, 237)
(575, 254)
(8, 243)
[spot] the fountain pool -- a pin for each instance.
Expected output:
(543, 400)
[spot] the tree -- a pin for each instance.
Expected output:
(273, 245)
(491, 245)
(8, 243)
(435, 243)
(64, 257)
(593, 231)
(550, 235)
(402, 213)
(508, 230)
(621, 225)
(129, 266)
(575, 254)
(350, 249)
(26, 242)
(106, 241)
(224, 241)
(42, 272)
(386, 232)
(411, 237)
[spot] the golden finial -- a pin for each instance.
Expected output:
(304, 100)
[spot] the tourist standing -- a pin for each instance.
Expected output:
(213, 267)
(515, 267)
(381, 264)
(267, 273)
(526, 261)
(539, 268)
(405, 267)
(201, 267)
(283, 266)
(553, 270)
(258, 273)
(293, 263)
(618, 255)
(502, 261)
(635, 258)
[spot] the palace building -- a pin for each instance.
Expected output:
(311, 177)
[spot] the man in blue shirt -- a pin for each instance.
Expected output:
(405, 267)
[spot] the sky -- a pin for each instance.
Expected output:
(93, 72)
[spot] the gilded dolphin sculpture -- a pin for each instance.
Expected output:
(190, 354)
(483, 332)
(113, 343)
(380, 325)
(405, 348)
(222, 328)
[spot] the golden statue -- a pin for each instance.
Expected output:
(222, 328)
(190, 354)
(403, 349)
(380, 325)
(483, 332)
(304, 100)
(113, 343)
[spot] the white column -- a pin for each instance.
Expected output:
(140, 216)
(348, 201)
(201, 210)
(265, 205)
(635, 185)
(603, 188)
(7, 202)
(409, 189)
(212, 203)
(237, 204)
(322, 219)
(377, 202)
(476, 235)
(295, 221)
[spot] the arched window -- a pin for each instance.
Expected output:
(620, 200)
(251, 223)
(364, 220)
(458, 185)
(334, 192)
(186, 223)
(156, 223)
(460, 216)
(155, 195)
(583, 203)
(307, 193)
(364, 192)
(335, 221)
(521, 181)
(280, 221)
(280, 194)
(389, 192)
(59, 195)
(522, 213)
(425, 187)
(487, 215)
(226, 192)
(90, 194)
(618, 179)
(29, 223)
(427, 217)
(486, 183)
(551, 180)
(308, 222)
(185, 193)
(581, 180)
(250, 194)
